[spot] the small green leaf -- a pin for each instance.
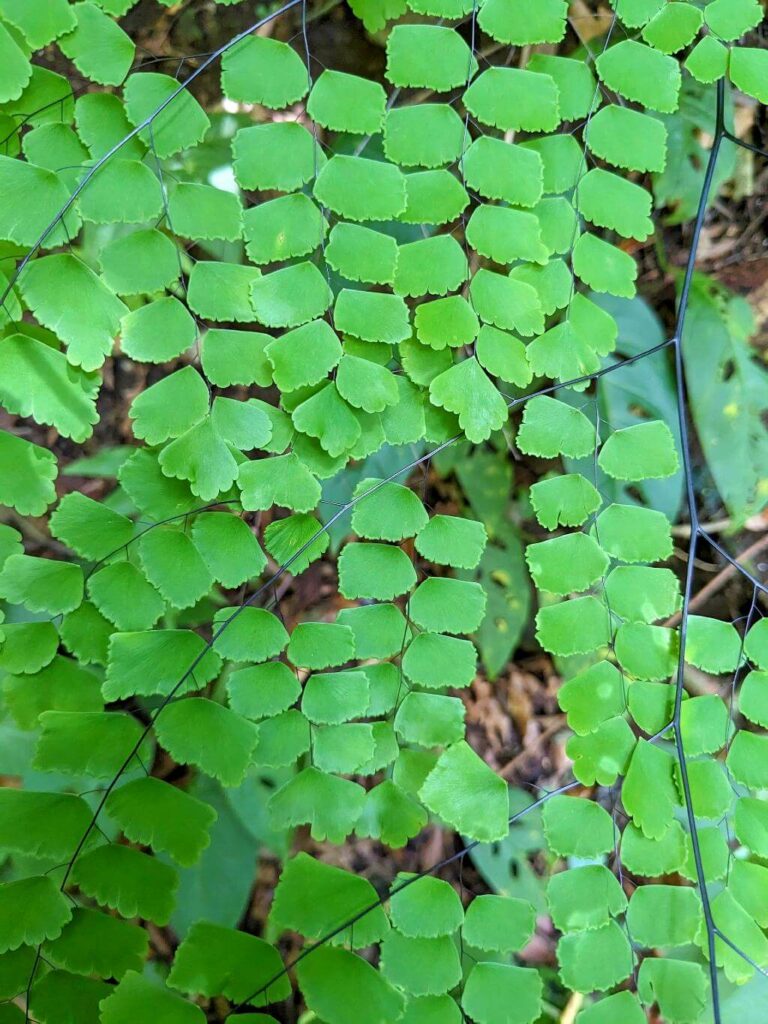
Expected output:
(584, 897)
(428, 57)
(465, 793)
(641, 74)
(361, 189)
(42, 584)
(214, 961)
(577, 827)
(502, 994)
(137, 998)
(181, 123)
(628, 138)
(200, 732)
(567, 500)
(595, 960)
(97, 46)
(512, 99)
(347, 103)
(465, 389)
(500, 924)
(566, 564)
(263, 70)
(574, 627)
(33, 909)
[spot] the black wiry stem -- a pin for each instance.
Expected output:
(685, 445)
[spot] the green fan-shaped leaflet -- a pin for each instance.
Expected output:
(435, 661)
(641, 74)
(366, 385)
(499, 923)
(576, 827)
(261, 691)
(425, 908)
(140, 263)
(297, 539)
(506, 235)
(47, 286)
(282, 480)
(213, 960)
(101, 122)
(88, 527)
(173, 565)
(329, 804)
(428, 57)
(93, 743)
(584, 898)
(204, 212)
(42, 824)
(345, 988)
(39, 21)
(424, 135)
(378, 628)
(201, 732)
(430, 266)
(95, 943)
(633, 534)
(450, 540)
(595, 960)
(610, 201)
(222, 291)
(361, 254)
(511, 99)
(28, 646)
(708, 60)
(678, 986)
(158, 331)
(466, 390)
(228, 547)
(376, 571)
(347, 103)
(180, 124)
(649, 790)
(420, 966)
(391, 815)
(334, 697)
(283, 228)
(152, 662)
(122, 191)
(317, 645)
(495, 993)
(62, 685)
(337, 896)
(516, 23)
(326, 416)
(445, 322)
(250, 634)
(501, 170)
(361, 189)
(602, 755)
(170, 407)
(280, 155)
(32, 909)
(566, 564)
(154, 813)
(463, 791)
(37, 380)
(386, 511)
(81, 996)
(263, 70)
(430, 719)
(448, 605)
(42, 584)
(138, 998)
(628, 138)
(291, 296)
(747, 70)
(673, 28)
(433, 197)
(97, 46)
(664, 915)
